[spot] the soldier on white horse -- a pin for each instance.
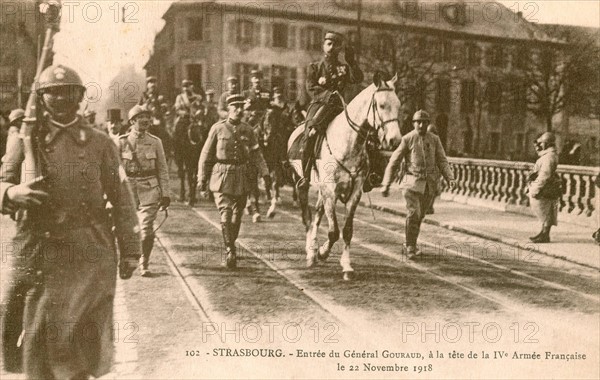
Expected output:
(343, 163)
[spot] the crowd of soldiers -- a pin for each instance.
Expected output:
(218, 146)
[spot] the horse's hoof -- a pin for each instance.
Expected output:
(348, 276)
(323, 254)
(256, 218)
(271, 212)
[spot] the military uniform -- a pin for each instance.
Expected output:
(260, 97)
(225, 167)
(424, 160)
(322, 80)
(144, 160)
(65, 258)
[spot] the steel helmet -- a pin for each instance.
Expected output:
(421, 115)
(136, 111)
(15, 115)
(58, 75)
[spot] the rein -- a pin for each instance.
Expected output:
(360, 131)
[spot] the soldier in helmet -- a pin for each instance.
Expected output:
(233, 87)
(323, 78)
(424, 161)
(545, 186)
(227, 156)
(146, 166)
(65, 260)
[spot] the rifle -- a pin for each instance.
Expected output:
(51, 11)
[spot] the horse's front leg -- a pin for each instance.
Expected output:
(333, 234)
(311, 234)
(347, 236)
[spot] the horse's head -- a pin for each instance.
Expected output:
(385, 111)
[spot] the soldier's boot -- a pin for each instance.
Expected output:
(147, 245)
(230, 260)
(543, 237)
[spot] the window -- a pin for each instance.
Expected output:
(242, 71)
(280, 35)
(518, 96)
(194, 73)
(520, 142)
(496, 56)
(244, 33)
(195, 29)
(313, 38)
(171, 86)
(494, 142)
(285, 78)
(292, 87)
(443, 95)
(467, 96)
(493, 94)
(520, 58)
(444, 52)
(473, 55)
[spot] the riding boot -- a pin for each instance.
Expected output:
(229, 243)
(147, 245)
(538, 235)
(235, 230)
(307, 162)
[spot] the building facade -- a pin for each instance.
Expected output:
(462, 61)
(21, 34)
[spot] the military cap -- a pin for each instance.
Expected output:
(150, 79)
(232, 79)
(256, 74)
(15, 115)
(186, 82)
(113, 114)
(210, 92)
(136, 111)
(334, 36)
(236, 99)
(420, 115)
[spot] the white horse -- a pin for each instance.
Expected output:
(342, 165)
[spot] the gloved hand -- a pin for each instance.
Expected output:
(164, 202)
(27, 194)
(350, 55)
(268, 182)
(127, 267)
(385, 192)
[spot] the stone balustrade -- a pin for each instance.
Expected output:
(503, 185)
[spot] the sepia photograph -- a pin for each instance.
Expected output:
(299, 189)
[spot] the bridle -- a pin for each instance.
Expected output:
(366, 131)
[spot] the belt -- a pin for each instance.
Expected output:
(144, 173)
(231, 162)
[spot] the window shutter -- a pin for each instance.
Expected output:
(232, 32)
(256, 33)
(268, 32)
(291, 37)
(304, 39)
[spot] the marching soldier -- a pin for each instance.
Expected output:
(114, 125)
(233, 87)
(323, 79)
(90, 118)
(64, 213)
(424, 159)
(228, 153)
(151, 98)
(257, 94)
(145, 165)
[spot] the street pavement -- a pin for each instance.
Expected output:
(569, 241)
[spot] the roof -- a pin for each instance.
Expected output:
(482, 18)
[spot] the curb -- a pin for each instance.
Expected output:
(478, 234)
